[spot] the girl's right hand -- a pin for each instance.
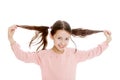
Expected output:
(11, 31)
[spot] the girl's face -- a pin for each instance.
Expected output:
(61, 40)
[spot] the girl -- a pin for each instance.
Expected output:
(59, 62)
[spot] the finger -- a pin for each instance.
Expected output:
(13, 27)
(107, 32)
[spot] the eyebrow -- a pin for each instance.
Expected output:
(61, 36)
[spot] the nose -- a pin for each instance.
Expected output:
(63, 43)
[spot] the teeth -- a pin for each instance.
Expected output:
(60, 46)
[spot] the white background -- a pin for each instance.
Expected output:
(92, 14)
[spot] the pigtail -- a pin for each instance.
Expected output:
(41, 31)
(84, 32)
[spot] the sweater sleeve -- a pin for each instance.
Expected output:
(28, 57)
(88, 54)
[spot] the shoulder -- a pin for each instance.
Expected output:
(43, 51)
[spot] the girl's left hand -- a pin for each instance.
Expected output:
(108, 35)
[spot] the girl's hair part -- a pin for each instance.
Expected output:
(41, 31)
(60, 25)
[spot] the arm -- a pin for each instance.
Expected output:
(84, 55)
(20, 54)
(11, 31)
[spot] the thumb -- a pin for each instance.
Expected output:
(13, 27)
(107, 32)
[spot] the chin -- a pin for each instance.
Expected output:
(61, 49)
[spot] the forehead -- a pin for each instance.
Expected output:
(62, 33)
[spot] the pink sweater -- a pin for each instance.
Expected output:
(57, 66)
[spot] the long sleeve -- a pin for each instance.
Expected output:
(88, 54)
(28, 57)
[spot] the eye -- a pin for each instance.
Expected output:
(59, 38)
(67, 39)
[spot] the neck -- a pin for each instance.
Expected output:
(57, 51)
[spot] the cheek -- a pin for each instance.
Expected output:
(67, 42)
(56, 42)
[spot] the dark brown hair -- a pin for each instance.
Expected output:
(42, 31)
(41, 35)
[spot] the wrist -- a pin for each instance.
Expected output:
(108, 40)
(12, 41)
